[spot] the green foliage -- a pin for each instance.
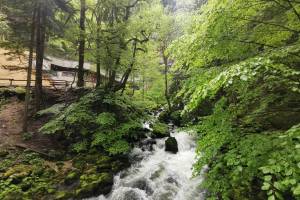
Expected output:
(27, 136)
(53, 110)
(241, 88)
(105, 121)
(282, 169)
(160, 130)
(214, 129)
(4, 27)
(80, 147)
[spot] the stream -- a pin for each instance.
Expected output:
(158, 175)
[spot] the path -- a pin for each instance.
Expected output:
(11, 120)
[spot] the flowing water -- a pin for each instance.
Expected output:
(159, 175)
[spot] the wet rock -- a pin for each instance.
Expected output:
(172, 180)
(94, 185)
(171, 145)
(3, 153)
(142, 184)
(160, 130)
(131, 195)
(62, 195)
(164, 116)
(176, 117)
(147, 144)
(72, 177)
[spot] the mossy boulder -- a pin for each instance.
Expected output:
(176, 117)
(164, 116)
(160, 130)
(18, 172)
(94, 185)
(171, 145)
(13, 92)
(3, 153)
(63, 195)
(72, 177)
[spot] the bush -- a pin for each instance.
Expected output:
(104, 121)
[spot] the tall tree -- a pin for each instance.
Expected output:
(81, 49)
(29, 71)
(40, 50)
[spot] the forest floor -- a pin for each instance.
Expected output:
(11, 134)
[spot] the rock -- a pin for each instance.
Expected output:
(142, 184)
(94, 185)
(18, 172)
(160, 130)
(62, 195)
(147, 144)
(176, 117)
(164, 116)
(3, 153)
(72, 177)
(171, 145)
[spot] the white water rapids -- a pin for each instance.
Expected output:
(159, 175)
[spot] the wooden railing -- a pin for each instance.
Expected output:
(49, 83)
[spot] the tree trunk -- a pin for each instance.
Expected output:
(126, 75)
(165, 58)
(98, 60)
(29, 71)
(80, 81)
(40, 45)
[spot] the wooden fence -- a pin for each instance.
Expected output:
(49, 83)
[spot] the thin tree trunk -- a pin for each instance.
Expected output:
(143, 87)
(80, 81)
(126, 75)
(166, 81)
(40, 44)
(29, 71)
(98, 60)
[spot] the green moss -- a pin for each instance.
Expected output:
(3, 153)
(18, 171)
(72, 177)
(94, 184)
(63, 195)
(160, 130)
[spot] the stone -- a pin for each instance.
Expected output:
(171, 145)
(94, 185)
(3, 153)
(72, 177)
(160, 130)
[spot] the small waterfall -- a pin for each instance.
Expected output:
(159, 175)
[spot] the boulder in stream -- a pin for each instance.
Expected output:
(171, 145)
(160, 130)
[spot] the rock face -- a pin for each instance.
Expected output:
(171, 145)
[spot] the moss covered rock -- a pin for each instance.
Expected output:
(72, 177)
(3, 153)
(171, 145)
(160, 130)
(94, 185)
(63, 195)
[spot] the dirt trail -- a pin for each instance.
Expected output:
(10, 123)
(11, 120)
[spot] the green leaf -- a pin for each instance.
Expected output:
(268, 178)
(272, 197)
(296, 191)
(266, 186)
